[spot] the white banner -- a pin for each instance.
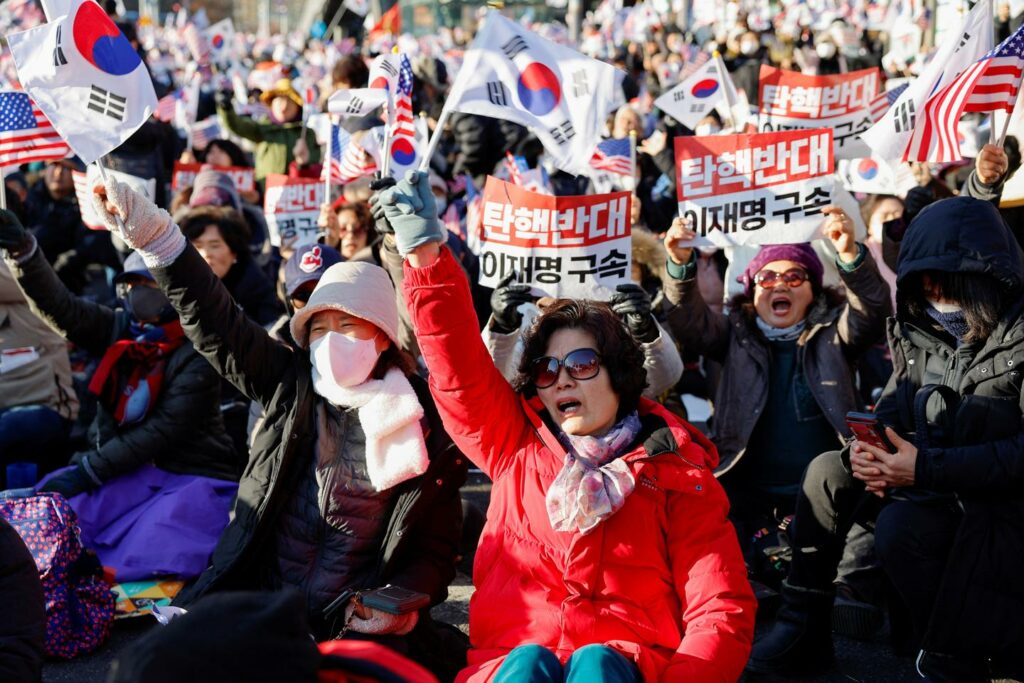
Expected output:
(292, 207)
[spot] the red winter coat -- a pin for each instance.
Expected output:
(662, 581)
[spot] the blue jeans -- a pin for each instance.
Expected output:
(589, 664)
(31, 434)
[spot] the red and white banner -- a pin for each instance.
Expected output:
(185, 175)
(291, 207)
(575, 247)
(790, 100)
(766, 188)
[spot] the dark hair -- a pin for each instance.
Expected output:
(230, 223)
(829, 296)
(872, 202)
(238, 156)
(620, 352)
(364, 217)
(394, 357)
(980, 296)
(351, 70)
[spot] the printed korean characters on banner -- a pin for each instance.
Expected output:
(576, 247)
(790, 100)
(84, 182)
(765, 188)
(291, 207)
(185, 174)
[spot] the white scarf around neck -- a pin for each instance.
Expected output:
(389, 413)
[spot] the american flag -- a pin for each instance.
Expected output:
(348, 160)
(167, 105)
(197, 43)
(989, 84)
(691, 66)
(205, 132)
(515, 165)
(404, 125)
(25, 133)
(613, 155)
(883, 101)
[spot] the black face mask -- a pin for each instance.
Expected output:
(149, 305)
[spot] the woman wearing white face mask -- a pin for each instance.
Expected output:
(352, 482)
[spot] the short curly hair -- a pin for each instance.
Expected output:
(620, 353)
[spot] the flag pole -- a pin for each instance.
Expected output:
(103, 177)
(328, 158)
(632, 159)
(435, 138)
(385, 164)
(1006, 127)
(729, 104)
(3, 188)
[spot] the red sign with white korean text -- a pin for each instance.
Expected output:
(292, 207)
(185, 175)
(712, 165)
(799, 96)
(563, 246)
(766, 188)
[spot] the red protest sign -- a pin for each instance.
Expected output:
(564, 246)
(185, 174)
(799, 96)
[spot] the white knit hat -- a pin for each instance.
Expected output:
(360, 289)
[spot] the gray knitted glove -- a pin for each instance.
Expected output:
(147, 228)
(410, 209)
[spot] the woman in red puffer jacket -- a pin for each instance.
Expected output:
(606, 526)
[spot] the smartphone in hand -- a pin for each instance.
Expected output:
(867, 429)
(395, 600)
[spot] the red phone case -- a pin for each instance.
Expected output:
(870, 433)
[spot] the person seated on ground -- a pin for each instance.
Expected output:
(157, 446)
(946, 501)
(23, 627)
(583, 563)
(787, 348)
(352, 482)
(37, 400)
(276, 139)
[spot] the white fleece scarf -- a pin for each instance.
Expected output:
(390, 415)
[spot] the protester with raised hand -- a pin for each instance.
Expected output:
(352, 482)
(157, 444)
(584, 567)
(787, 347)
(945, 498)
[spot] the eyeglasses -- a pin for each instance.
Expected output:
(580, 364)
(351, 229)
(794, 277)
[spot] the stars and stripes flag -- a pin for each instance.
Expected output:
(403, 144)
(25, 132)
(989, 84)
(884, 100)
(347, 160)
(205, 132)
(613, 155)
(167, 105)
(921, 124)
(197, 43)
(515, 165)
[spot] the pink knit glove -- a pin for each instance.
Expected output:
(381, 622)
(147, 228)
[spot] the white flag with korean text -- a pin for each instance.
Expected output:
(562, 96)
(85, 76)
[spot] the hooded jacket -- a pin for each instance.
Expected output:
(973, 444)
(662, 580)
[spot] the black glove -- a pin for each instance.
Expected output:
(505, 301)
(633, 305)
(379, 221)
(14, 238)
(70, 483)
(917, 198)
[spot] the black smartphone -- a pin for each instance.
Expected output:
(866, 428)
(395, 600)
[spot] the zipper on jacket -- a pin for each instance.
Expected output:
(323, 494)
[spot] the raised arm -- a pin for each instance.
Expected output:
(87, 324)
(242, 126)
(479, 409)
(240, 350)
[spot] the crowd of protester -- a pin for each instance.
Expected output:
(300, 419)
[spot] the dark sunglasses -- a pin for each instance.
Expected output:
(580, 364)
(794, 277)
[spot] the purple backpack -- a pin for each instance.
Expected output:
(79, 603)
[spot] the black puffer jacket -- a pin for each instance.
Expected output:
(23, 626)
(973, 447)
(423, 528)
(183, 433)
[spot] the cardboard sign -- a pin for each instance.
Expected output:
(765, 188)
(575, 247)
(185, 175)
(790, 100)
(292, 207)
